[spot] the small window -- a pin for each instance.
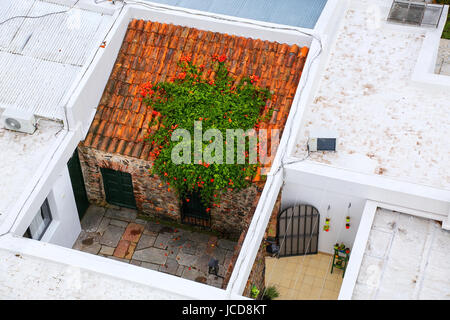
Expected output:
(40, 223)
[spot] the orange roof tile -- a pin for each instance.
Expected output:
(150, 52)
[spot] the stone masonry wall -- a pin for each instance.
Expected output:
(155, 200)
(235, 211)
(257, 274)
(152, 198)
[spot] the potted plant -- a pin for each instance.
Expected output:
(254, 292)
(271, 293)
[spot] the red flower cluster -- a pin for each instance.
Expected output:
(187, 58)
(146, 89)
(254, 78)
(182, 75)
(221, 58)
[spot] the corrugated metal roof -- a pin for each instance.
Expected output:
(34, 84)
(300, 13)
(40, 58)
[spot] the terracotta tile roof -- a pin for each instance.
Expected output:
(150, 52)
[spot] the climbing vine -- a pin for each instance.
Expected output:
(217, 100)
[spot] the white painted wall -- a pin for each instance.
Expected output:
(428, 202)
(53, 182)
(321, 198)
(80, 270)
(65, 226)
(352, 271)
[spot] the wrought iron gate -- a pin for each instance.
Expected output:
(193, 212)
(298, 231)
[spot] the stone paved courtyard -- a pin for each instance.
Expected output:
(118, 234)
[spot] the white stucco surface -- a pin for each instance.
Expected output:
(20, 156)
(386, 124)
(27, 277)
(41, 58)
(406, 257)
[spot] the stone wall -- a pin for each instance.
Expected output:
(155, 200)
(152, 198)
(235, 211)
(257, 273)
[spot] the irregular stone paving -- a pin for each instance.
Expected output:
(118, 234)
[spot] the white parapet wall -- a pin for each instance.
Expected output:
(84, 96)
(357, 254)
(423, 74)
(323, 39)
(61, 273)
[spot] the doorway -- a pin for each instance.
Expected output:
(193, 212)
(118, 188)
(298, 231)
(78, 187)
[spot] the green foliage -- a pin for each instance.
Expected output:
(271, 293)
(446, 32)
(254, 292)
(220, 103)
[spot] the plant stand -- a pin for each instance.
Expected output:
(340, 258)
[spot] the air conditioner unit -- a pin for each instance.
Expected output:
(322, 140)
(18, 120)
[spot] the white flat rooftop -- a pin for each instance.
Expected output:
(20, 156)
(386, 125)
(41, 58)
(27, 277)
(406, 258)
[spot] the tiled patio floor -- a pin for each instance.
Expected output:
(119, 235)
(304, 277)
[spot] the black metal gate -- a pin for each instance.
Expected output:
(193, 212)
(298, 231)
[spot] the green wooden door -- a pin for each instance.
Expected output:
(118, 188)
(79, 189)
